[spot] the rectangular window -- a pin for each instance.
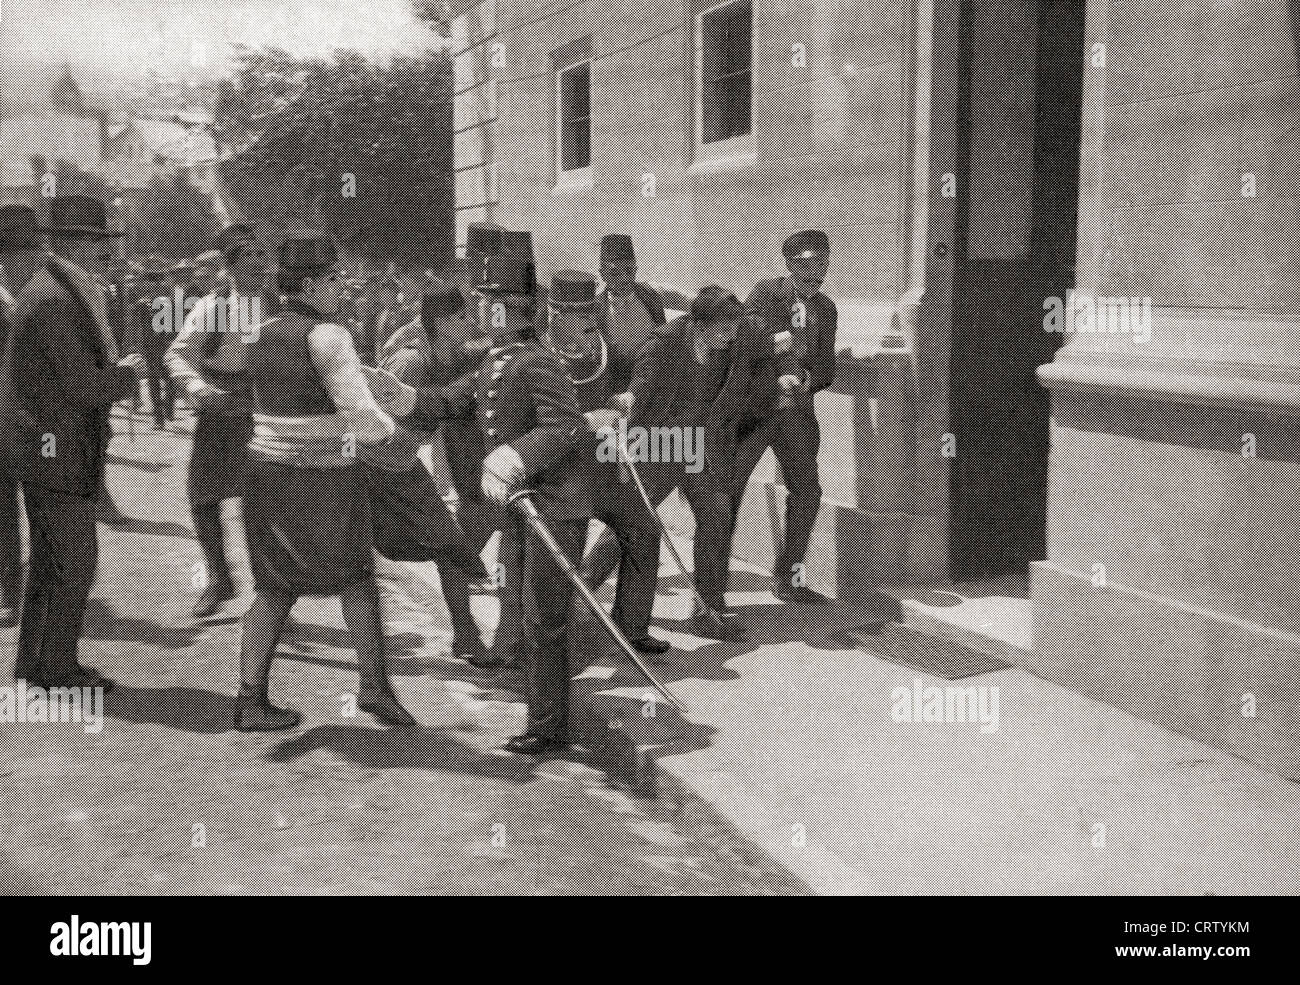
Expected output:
(574, 92)
(725, 79)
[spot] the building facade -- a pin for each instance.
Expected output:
(1066, 274)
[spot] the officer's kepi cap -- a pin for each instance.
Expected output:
(806, 245)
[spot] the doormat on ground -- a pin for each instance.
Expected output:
(931, 655)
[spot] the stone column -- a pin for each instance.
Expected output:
(1172, 585)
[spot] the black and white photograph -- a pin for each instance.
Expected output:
(650, 448)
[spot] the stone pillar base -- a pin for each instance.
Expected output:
(1223, 680)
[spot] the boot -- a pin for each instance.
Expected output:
(378, 699)
(254, 714)
(259, 637)
(361, 612)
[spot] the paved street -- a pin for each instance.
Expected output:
(167, 800)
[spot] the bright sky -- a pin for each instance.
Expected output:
(122, 36)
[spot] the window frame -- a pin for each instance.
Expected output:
(741, 147)
(579, 176)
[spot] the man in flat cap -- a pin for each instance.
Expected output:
(801, 322)
(207, 362)
(66, 375)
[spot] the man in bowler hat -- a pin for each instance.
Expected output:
(66, 375)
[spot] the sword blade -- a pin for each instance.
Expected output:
(524, 504)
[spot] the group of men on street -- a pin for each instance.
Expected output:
(524, 384)
(564, 364)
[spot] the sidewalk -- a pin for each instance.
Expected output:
(791, 738)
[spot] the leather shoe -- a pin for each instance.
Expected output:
(262, 716)
(798, 593)
(386, 708)
(533, 745)
(81, 677)
(712, 626)
(651, 645)
(218, 592)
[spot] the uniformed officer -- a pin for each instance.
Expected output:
(525, 403)
(207, 362)
(801, 322)
(571, 314)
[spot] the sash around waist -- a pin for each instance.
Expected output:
(319, 441)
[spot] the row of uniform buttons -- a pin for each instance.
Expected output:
(500, 356)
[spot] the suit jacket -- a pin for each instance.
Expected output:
(813, 352)
(522, 396)
(64, 380)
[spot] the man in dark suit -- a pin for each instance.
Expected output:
(66, 374)
(22, 251)
(799, 324)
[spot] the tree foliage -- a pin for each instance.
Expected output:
(345, 144)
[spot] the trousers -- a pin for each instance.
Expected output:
(543, 596)
(794, 436)
(64, 555)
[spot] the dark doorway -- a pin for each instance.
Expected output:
(1018, 180)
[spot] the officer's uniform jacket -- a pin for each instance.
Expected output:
(522, 396)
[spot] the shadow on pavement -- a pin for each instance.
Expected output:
(378, 749)
(397, 666)
(185, 708)
(103, 622)
(399, 644)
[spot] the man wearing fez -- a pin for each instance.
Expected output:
(306, 508)
(22, 251)
(524, 400)
(591, 362)
(801, 322)
(66, 375)
(207, 362)
(153, 335)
